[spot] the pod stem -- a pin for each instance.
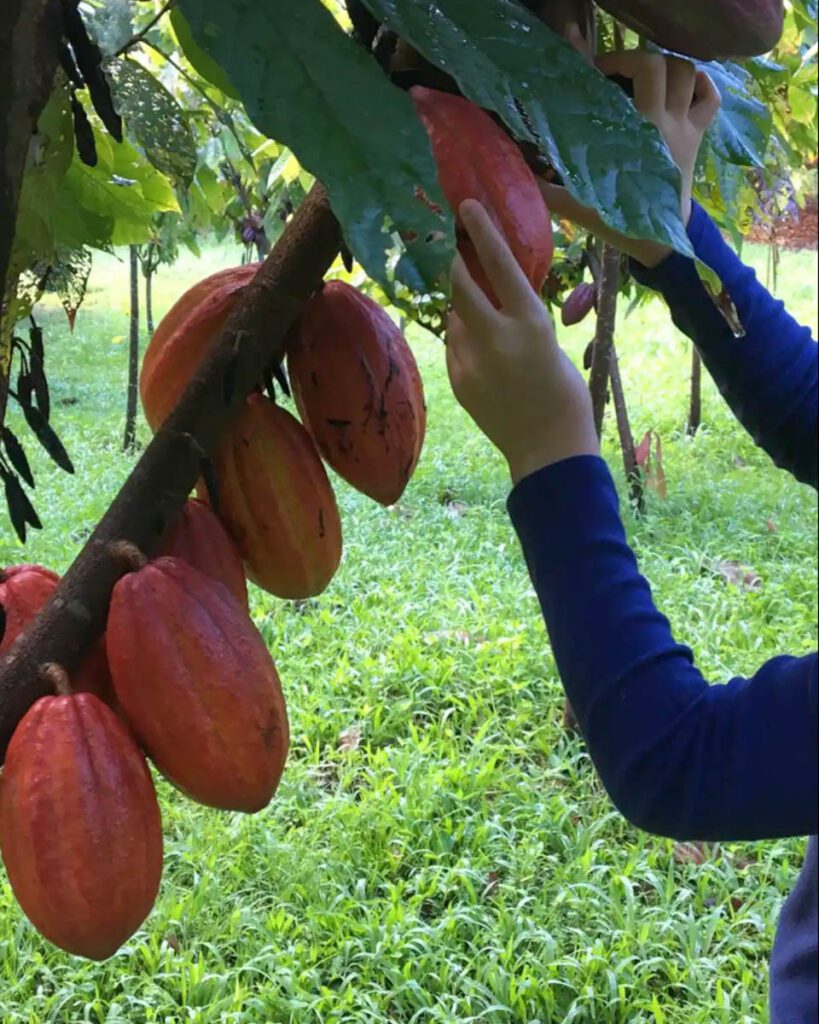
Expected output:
(57, 677)
(126, 555)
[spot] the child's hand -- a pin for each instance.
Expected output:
(505, 365)
(682, 102)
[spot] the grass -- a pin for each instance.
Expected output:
(462, 863)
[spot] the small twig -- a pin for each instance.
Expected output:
(139, 36)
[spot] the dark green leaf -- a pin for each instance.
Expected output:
(47, 438)
(17, 456)
(155, 120)
(506, 60)
(742, 129)
(319, 93)
(21, 511)
(201, 63)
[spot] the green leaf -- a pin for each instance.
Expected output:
(201, 63)
(307, 85)
(154, 119)
(506, 60)
(741, 132)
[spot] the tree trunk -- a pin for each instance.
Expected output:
(604, 339)
(633, 475)
(149, 302)
(253, 337)
(30, 34)
(129, 439)
(695, 411)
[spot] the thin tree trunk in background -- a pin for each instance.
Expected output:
(129, 440)
(604, 339)
(633, 476)
(695, 411)
(149, 305)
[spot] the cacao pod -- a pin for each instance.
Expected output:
(477, 160)
(202, 695)
(24, 589)
(80, 829)
(183, 337)
(358, 391)
(579, 304)
(277, 502)
(199, 538)
(705, 29)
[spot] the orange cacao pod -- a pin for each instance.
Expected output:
(477, 160)
(199, 538)
(80, 829)
(24, 589)
(277, 502)
(183, 337)
(357, 387)
(203, 695)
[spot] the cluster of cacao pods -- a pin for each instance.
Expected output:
(183, 677)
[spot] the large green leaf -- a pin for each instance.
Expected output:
(306, 84)
(202, 64)
(742, 130)
(154, 118)
(505, 59)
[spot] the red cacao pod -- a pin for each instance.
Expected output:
(277, 502)
(358, 391)
(181, 341)
(202, 695)
(24, 589)
(199, 538)
(80, 829)
(477, 160)
(579, 304)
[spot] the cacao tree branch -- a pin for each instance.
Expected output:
(632, 468)
(132, 397)
(695, 410)
(604, 338)
(161, 481)
(139, 36)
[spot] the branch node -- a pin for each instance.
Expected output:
(126, 556)
(57, 678)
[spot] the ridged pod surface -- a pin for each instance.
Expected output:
(705, 29)
(277, 502)
(183, 337)
(24, 589)
(198, 685)
(358, 391)
(199, 538)
(80, 828)
(477, 160)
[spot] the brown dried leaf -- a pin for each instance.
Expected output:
(737, 575)
(689, 853)
(350, 739)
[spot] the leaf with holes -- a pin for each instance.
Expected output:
(327, 100)
(506, 60)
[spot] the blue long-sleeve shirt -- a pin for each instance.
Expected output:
(679, 757)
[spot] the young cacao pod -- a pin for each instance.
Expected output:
(80, 829)
(202, 694)
(183, 337)
(358, 391)
(24, 589)
(199, 538)
(579, 304)
(477, 160)
(277, 502)
(705, 29)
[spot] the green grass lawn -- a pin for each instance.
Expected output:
(440, 850)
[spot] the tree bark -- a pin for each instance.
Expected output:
(30, 34)
(604, 339)
(129, 438)
(695, 410)
(153, 494)
(149, 301)
(632, 469)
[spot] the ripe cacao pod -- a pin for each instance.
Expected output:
(705, 29)
(477, 160)
(202, 694)
(24, 589)
(183, 337)
(358, 391)
(579, 304)
(199, 538)
(277, 502)
(80, 829)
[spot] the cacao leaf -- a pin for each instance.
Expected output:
(47, 438)
(492, 47)
(69, 66)
(741, 131)
(17, 456)
(378, 170)
(202, 64)
(24, 389)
